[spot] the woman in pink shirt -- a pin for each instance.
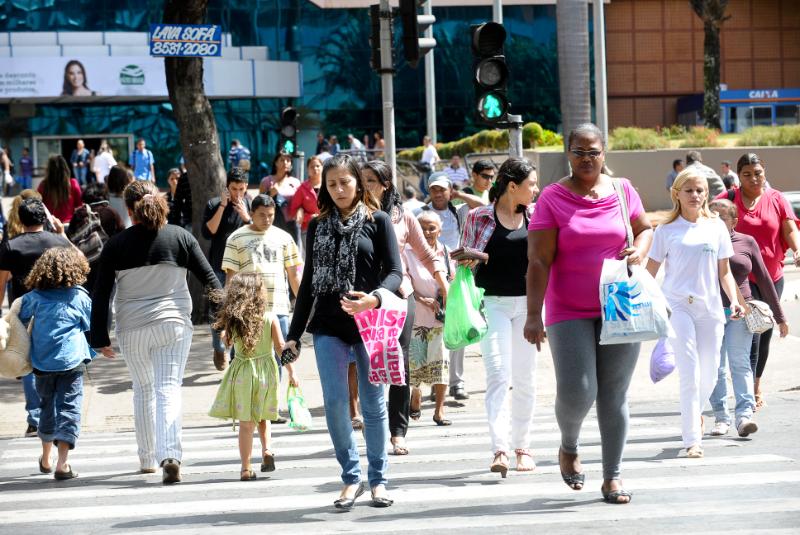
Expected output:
(60, 193)
(577, 224)
(281, 186)
(765, 215)
(304, 207)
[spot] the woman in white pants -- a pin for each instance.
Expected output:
(501, 231)
(148, 262)
(695, 246)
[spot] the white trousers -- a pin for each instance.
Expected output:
(697, 343)
(156, 357)
(510, 361)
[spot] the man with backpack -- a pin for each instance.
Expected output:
(142, 162)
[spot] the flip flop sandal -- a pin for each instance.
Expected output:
(614, 496)
(442, 421)
(268, 462)
(415, 414)
(44, 470)
(694, 452)
(521, 452)
(63, 476)
(399, 449)
(357, 423)
(572, 480)
(247, 475)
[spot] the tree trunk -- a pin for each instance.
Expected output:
(572, 21)
(197, 126)
(712, 13)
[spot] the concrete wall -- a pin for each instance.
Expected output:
(648, 169)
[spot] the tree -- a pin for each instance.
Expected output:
(196, 123)
(712, 13)
(572, 26)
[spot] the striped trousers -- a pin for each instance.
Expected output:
(156, 357)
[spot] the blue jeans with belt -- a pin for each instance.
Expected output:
(333, 359)
(736, 350)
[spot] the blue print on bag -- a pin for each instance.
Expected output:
(620, 298)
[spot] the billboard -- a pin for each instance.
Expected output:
(185, 40)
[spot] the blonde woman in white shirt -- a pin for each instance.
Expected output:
(695, 246)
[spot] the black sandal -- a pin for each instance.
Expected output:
(415, 414)
(572, 480)
(44, 470)
(63, 476)
(614, 495)
(247, 474)
(267, 462)
(442, 421)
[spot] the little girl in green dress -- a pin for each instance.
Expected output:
(249, 389)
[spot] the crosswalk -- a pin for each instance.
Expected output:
(444, 484)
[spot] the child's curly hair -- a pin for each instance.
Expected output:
(58, 267)
(241, 314)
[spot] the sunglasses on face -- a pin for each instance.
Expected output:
(591, 154)
(487, 176)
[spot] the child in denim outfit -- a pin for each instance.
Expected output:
(60, 310)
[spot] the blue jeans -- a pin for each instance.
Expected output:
(24, 181)
(333, 358)
(80, 174)
(216, 340)
(32, 401)
(62, 396)
(736, 350)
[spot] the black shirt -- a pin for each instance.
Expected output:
(228, 224)
(180, 204)
(18, 255)
(504, 273)
(377, 266)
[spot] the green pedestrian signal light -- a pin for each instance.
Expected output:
(490, 73)
(288, 131)
(288, 146)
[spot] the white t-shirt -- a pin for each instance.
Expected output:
(429, 155)
(690, 252)
(103, 163)
(450, 235)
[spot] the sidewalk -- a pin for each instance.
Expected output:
(108, 404)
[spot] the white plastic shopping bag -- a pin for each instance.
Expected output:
(380, 331)
(633, 307)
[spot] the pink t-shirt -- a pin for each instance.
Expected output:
(765, 223)
(589, 231)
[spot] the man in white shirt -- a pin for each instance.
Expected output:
(356, 147)
(103, 163)
(729, 178)
(427, 163)
(411, 203)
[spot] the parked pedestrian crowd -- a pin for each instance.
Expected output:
(324, 255)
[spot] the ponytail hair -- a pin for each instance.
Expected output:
(514, 170)
(148, 207)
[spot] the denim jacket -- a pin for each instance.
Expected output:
(60, 317)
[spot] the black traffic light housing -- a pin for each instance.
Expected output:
(288, 137)
(414, 45)
(491, 73)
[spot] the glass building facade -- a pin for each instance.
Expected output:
(341, 94)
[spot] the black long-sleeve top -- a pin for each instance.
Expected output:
(377, 266)
(150, 270)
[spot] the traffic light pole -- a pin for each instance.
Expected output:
(430, 80)
(387, 87)
(515, 136)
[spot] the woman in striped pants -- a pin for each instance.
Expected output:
(148, 262)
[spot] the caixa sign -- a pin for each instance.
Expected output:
(763, 93)
(185, 40)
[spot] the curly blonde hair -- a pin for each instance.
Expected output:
(241, 314)
(14, 226)
(58, 267)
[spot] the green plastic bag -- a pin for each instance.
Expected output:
(299, 415)
(464, 321)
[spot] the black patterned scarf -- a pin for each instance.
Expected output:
(335, 268)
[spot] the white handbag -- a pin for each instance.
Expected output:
(15, 344)
(760, 318)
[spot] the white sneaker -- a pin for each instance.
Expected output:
(720, 428)
(746, 427)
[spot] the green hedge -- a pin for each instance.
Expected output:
(700, 136)
(631, 138)
(533, 135)
(770, 136)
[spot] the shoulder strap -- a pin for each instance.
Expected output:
(623, 204)
(731, 194)
(447, 260)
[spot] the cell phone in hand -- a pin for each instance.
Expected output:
(288, 356)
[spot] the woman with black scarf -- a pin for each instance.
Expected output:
(351, 252)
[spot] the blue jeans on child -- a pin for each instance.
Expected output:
(333, 358)
(216, 340)
(62, 395)
(736, 350)
(32, 401)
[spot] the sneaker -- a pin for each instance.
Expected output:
(720, 428)
(31, 431)
(746, 427)
(172, 471)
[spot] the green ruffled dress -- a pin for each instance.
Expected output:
(249, 389)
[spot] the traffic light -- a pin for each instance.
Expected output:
(288, 141)
(491, 73)
(375, 36)
(415, 46)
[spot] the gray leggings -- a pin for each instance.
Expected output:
(585, 372)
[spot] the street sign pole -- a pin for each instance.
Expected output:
(515, 136)
(430, 80)
(387, 87)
